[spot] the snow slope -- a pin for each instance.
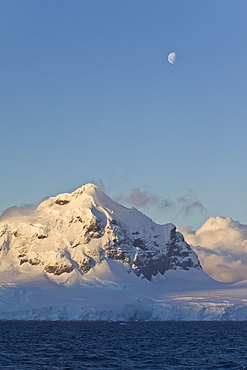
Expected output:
(82, 256)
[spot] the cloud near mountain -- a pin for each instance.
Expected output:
(15, 211)
(186, 205)
(221, 245)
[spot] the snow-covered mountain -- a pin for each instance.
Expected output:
(84, 256)
(77, 231)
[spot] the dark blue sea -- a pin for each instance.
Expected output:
(113, 345)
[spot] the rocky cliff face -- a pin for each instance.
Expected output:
(78, 231)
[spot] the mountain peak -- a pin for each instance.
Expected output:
(86, 195)
(74, 233)
(88, 188)
(75, 198)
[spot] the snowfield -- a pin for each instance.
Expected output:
(82, 256)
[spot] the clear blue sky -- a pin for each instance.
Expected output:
(87, 94)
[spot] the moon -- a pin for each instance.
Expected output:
(172, 58)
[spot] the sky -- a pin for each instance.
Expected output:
(87, 95)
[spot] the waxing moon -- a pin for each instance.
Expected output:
(172, 58)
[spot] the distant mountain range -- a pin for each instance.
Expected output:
(84, 256)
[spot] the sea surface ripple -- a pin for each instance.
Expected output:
(112, 345)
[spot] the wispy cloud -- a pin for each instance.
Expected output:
(189, 204)
(100, 184)
(141, 199)
(186, 205)
(16, 211)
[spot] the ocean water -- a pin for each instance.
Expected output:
(113, 345)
